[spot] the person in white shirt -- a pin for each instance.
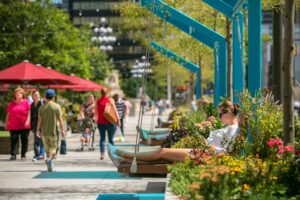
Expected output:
(219, 141)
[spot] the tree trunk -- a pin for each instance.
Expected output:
(229, 64)
(288, 110)
(199, 60)
(277, 53)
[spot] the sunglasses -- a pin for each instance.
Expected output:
(221, 114)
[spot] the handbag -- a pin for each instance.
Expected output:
(110, 114)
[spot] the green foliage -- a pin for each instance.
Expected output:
(263, 120)
(130, 86)
(189, 141)
(145, 27)
(183, 174)
(190, 119)
(44, 34)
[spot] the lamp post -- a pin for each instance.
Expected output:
(138, 69)
(104, 35)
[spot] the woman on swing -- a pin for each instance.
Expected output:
(219, 141)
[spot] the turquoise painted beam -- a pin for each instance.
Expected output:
(254, 46)
(200, 32)
(238, 56)
(183, 62)
(175, 57)
(183, 22)
(228, 7)
(220, 6)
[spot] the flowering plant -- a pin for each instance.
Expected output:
(276, 147)
(174, 136)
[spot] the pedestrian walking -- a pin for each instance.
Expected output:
(103, 124)
(87, 114)
(128, 106)
(49, 114)
(120, 105)
(17, 121)
(38, 147)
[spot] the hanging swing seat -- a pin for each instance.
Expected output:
(143, 167)
(154, 137)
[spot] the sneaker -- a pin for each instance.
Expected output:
(23, 158)
(13, 157)
(35, 159)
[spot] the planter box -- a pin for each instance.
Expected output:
(5, 144)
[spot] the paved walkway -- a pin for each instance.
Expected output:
(77, 175)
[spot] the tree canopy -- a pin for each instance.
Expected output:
(147, 27)
(43, 34)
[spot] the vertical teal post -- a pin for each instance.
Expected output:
(223, 69)
(216, 74)
(238, 55)
(198, 84)
(254, 46)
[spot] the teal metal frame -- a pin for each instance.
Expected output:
(231, 9)
(238, 56)
(254, 46)
(183, 62)
(200, 32)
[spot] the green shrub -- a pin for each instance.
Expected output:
(182, 176)
(190, 141)
(263, 120)
(189, 120)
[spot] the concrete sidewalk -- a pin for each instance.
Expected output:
(77, 175)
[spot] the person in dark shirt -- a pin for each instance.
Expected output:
(120, 105)
(38, 146)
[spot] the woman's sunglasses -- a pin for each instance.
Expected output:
(221, 114)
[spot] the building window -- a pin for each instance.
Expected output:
(93, 5)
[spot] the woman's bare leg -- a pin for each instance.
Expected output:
(170, 154)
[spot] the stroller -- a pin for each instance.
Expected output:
(87, 138)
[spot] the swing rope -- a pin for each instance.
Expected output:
(133, 168)
(153, 110)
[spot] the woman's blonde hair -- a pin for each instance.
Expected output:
(18, 89)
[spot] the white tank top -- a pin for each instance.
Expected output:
(222, 139)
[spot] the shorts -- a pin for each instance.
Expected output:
(50, 143)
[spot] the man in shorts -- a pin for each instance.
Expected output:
(49, 114)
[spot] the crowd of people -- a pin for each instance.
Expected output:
(44, 118)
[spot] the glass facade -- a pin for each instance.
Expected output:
(90, 12)
(93, 5)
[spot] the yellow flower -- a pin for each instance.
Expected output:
(273, 178)
(245, 187)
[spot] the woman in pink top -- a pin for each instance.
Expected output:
(103, 124)
(18, 122)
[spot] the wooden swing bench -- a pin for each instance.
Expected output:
(143, 167)
(154, 137)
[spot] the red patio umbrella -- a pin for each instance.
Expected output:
(28, 73)
(55, 73)
(81, 85)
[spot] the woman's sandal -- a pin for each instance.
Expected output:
(102, 157)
